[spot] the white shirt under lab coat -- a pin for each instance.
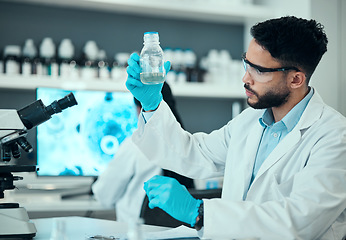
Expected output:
(121, 184)
(299, 191)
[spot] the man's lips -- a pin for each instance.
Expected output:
(248, 93)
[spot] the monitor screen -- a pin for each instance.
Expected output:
(81, 140)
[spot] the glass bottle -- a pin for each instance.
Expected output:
(151, 60)
(47, 54)
(67, 63)
(102, 65)
(29, 53)
(12, 59)
(88, 63)
(119, 73)
(1, 64)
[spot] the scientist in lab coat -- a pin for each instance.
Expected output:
(283, 159)
(120, 186)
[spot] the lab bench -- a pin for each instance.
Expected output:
(44, 203)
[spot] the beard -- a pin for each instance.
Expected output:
(269, 99)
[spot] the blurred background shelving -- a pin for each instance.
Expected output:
(208, 90)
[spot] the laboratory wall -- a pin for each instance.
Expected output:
(117, 32)
(343, 58)
(327, 77)
(113, 32)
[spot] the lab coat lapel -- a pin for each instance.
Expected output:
(281, 149)
(251, 146)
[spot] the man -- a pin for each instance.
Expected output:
(283, 159)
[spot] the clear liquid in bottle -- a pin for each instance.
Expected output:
(152, 78)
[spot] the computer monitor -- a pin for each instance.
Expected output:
(84, 138)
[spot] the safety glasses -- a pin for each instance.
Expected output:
(262, 74)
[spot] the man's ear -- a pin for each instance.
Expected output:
(297, 79)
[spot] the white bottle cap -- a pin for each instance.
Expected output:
(151, 37)
(29, 48)
(12, 50)
(168, 53)
(47, 48)
(213, 54)
(102, 55)
(189, 57)
(225, 56)
(178, 57)
(122, 58)
(66, 49)
(91, 50)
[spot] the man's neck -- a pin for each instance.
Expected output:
(295, 97)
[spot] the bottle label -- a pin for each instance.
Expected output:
(1, 67)
(53, 70)
(39, 69)
(104, 73)
(74, 74)
(119, 74)
(64, 70)
(12, 67)
(26, 69)
(88, 73)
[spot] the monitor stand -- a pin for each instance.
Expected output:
(83, 192)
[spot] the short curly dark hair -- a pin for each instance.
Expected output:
(293, 41)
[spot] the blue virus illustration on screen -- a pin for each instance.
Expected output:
(83, 139)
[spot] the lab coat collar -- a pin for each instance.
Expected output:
(311, 114)
(292, 117)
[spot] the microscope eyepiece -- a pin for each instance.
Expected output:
(59, 105)
(67, 101)
(37, 113)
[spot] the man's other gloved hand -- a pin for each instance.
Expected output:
(172, 197)
(149, 95)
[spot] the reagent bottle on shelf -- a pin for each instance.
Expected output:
(12, 59)
(28, 56)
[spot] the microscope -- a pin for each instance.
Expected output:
(14, 220)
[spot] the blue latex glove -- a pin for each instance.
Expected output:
(172, 197)
(149, 95)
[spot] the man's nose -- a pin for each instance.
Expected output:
(247, 78)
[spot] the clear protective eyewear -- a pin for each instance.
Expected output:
(262, 74)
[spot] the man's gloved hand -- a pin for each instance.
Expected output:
(149, 95)
(172, 197)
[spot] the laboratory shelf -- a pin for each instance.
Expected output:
(203, 90)
(211, 90)
(199, 10)
(32, 82)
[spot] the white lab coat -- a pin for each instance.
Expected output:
(121, 184)
(299, 191)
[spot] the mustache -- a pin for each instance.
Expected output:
(247, 87)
